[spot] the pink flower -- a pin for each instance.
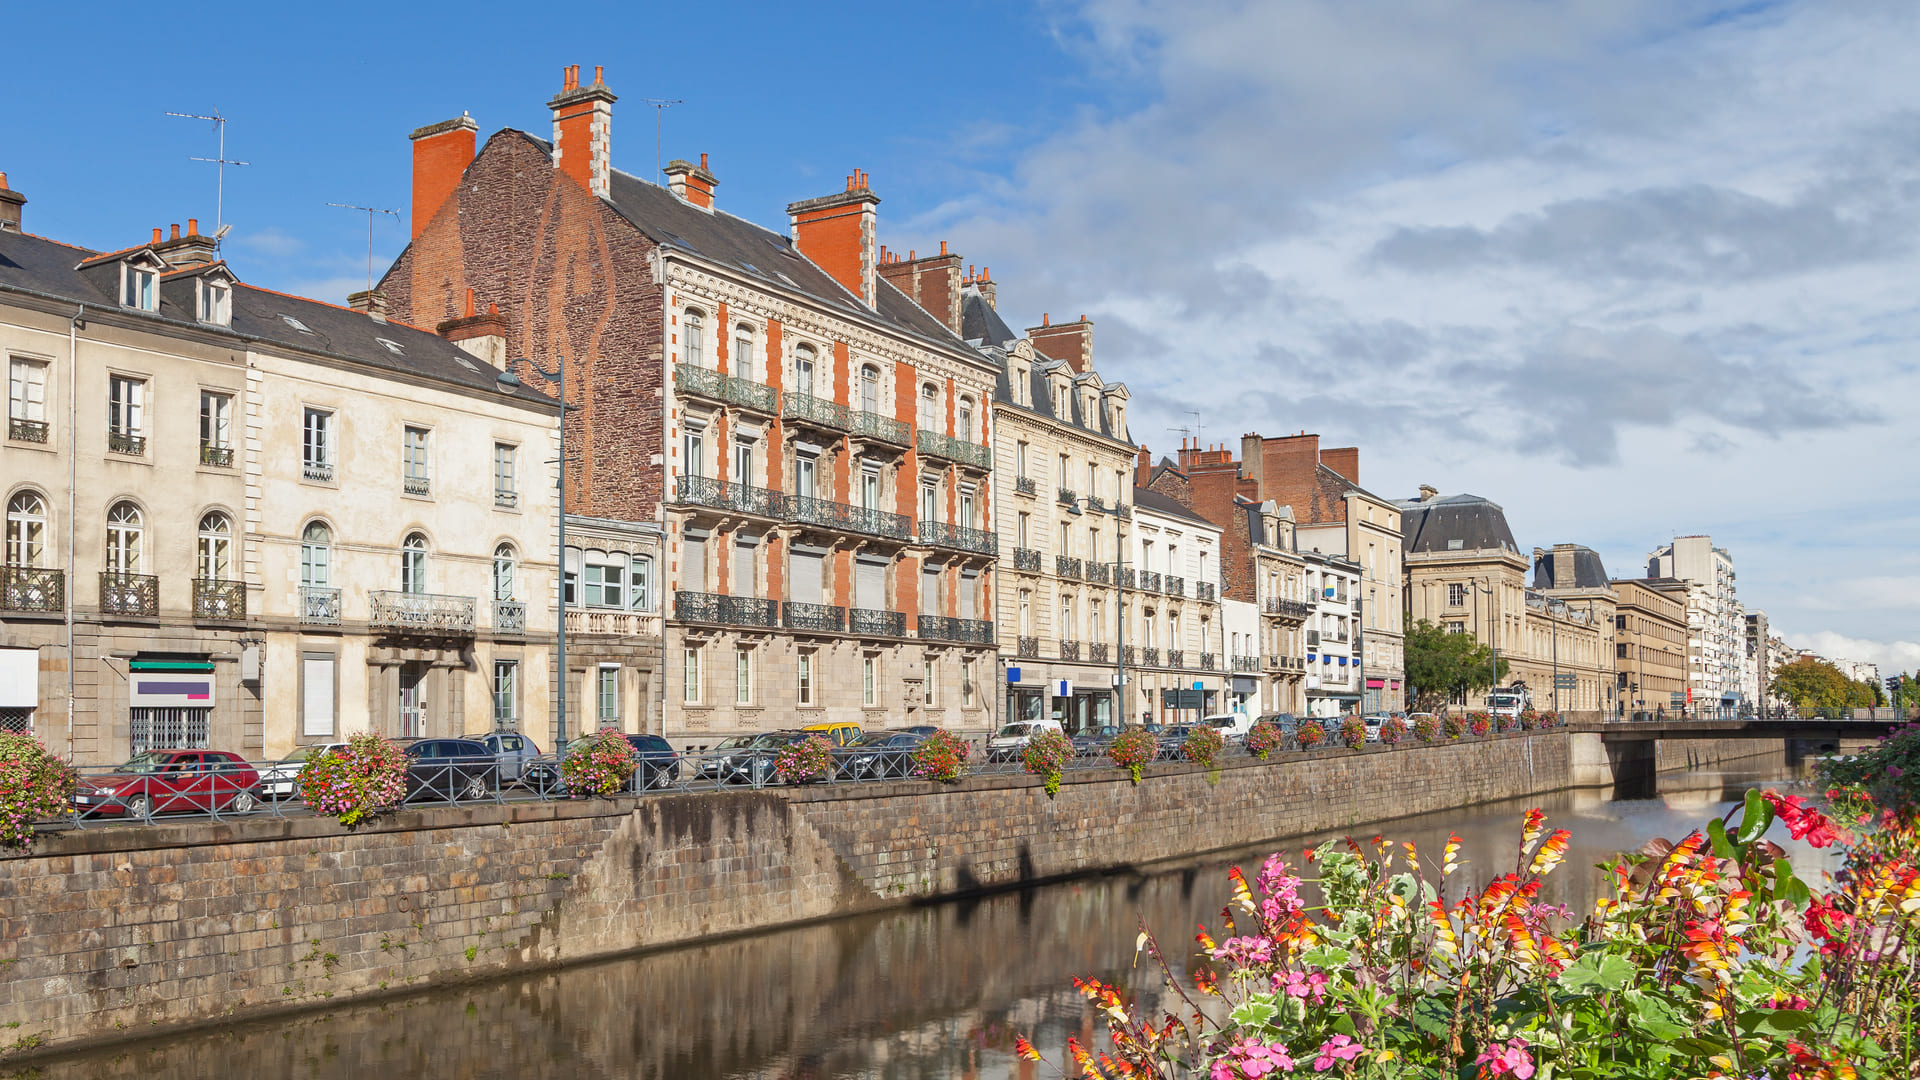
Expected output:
(1245, 951)
(1251, 1059)
(1508, 1059)
(1341, 1048)
(1296, 985)
(1895, 772)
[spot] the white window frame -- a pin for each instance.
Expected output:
(606, 692)
(691, 662)
(807, 677)
(214, 552)
(743, 675)
(216, 419)
(869, 680)
(316, 444)
(506, 691)
(413, 563)
(139, 287)
(127, 405)
(214, 302)
(693, 337)
(506, 475)
(416, 459)
(27, 389)
(27, 528)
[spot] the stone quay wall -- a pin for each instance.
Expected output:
(126, 932)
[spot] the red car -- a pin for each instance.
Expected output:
(171, 782)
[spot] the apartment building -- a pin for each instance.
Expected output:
(1650, 648)
(1279, 596)
(1574, 576)
(1716, 625)
(813, 444)
(246, 520)
(1756, 668)
(1172, 611)
(1335, 679)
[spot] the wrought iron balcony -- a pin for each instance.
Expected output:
(947, 628)
(1176, 658)
(1066, 566)
(1123, 511)
(1205, 590)
(1030, 647)
(426, 614)
(1175, 586)
(1149, 581)
(1124, 576)
(1126, 654)
(1022, 485)
(1206, 661)
(1070, 650)
(875, 622)
(321, 471)
(816, 411)
(1094, 503)
(731, 610)
(129, 594)
(319, 607)
(121, 442)
(871, 425)
(215, 599)
(728, 495)
(1100, 652)
(696, 381)
(941, 534)
(1026, 559)
(27, 430)
(1097, 572)
(1246, 663)
(31, 588)
(218, 457)
(417, 485)
(1286, 609)
(506, 500)
(797, 615)
(1149, 656)
(510, 616)
(958, 451)
(837, 515)
(1069, 497)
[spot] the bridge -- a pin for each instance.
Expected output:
(1801, 729)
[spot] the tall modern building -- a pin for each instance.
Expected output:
(1716, 625)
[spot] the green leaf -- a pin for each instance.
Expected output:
(1597, 972)
(1722, 845)
(1780, 1022)
(1702, 1046)
(1755, 818)
(1255, 1013)
(1326, 958)
(1432, 1016)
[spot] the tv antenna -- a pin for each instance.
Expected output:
(660, 107)
(220, 163)
(369, 211)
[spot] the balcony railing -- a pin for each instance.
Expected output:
(1149, 581)
(1066, 566)
(1176, 586)
(1206, 661)
(214, 599)
(510, 616)
(947, 628)
(731, 610)
(429, 614)
(728, 495)
(129, 594)
(1123, 511)
(1026, 559)
(319, 607)
(1030, 647)
(417, 485)
(941, 534)
(1246, 663)
(218, 457)
(1176, 658)
(609, 621)
(1150, 656)
(1124, 576)
(871, 425)
(817, 411)
(1126, 654)
(959, 451)
(121, 442)
(1070, 650)
(696, 381)
(1094, 503)
(1022, 485)
(321, 471)
(797, 615)
(837, 515)
(27, 430)
(875, 622)
(1099, 652)
(1097, 572)
(1069, 497)
(1286, 609)
(1205, 590)
(31, 588)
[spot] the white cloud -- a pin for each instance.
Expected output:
(1891, 656)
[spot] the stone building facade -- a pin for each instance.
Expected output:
(1650, 648)
(1173, 640)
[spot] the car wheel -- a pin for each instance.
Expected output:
(243, 803)
(477, 788)
(139, 806)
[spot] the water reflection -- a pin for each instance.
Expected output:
(933, 993)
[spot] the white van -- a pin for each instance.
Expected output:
(1231, 726)
(1011, 740)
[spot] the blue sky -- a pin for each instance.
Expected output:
(1630, 267)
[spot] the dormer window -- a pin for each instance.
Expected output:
(139, 286)
(216, 302)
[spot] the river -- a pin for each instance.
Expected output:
(927, 993)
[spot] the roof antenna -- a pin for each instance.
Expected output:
(370, 211)
(660, 107)
(220, 163)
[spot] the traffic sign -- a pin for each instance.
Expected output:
(1566, 682)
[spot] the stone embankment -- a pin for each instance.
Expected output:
(125, 932)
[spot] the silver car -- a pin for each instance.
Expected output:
(512, 750)
(281, 780)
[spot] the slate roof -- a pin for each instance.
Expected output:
(980, 322)
(1151, 500)
(1477, 523)
(992, 341)
(34, 264)
(1588, 571)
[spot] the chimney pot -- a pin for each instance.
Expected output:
(193, 226)
(1046, 319)
(10, 203)
(943, 247)
(175, 235)
(583, 132)
(371, 302)
(598, 79)
(156, 234)
(912, 254)
(469, 303)
(703, 158)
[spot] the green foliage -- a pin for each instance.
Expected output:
(1046, 756)
(1203, 745)
(599, 764)
(1264, 739)
(1889, 773)
(1442, 664)
(1353, 732)
(1813, 685)
(33, 784)
(943, 757)
(366, 777)
(1132, 749)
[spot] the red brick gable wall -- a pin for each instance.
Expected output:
(574, 281)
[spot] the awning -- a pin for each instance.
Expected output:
(1376, 684)
(1245, 684)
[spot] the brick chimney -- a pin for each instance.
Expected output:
(983, 284)
(1142, 467)
(1071, 342)
(370, 302)
(10, 203)
(933, 282)
(189, 250)
(583, 130)
(484, 334)
(441, 152)
(692, 183)
(836, 232)
(1428, 492)
(1344, 460)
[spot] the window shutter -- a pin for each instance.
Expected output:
(316, 705)
(808, 577)
(870, 585)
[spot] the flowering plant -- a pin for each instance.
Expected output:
(1353, 732)
(1393, 730)
(1132, 749)
(1426, 727)
(1529, 719)
(600, 765)
(1454, 724)
(1046, 756)
(804, 760)
(1309, 734)
(1203, 745)
(943, 757)
(33, 784)
(1549, 719)
(352, 783)
(1479, 723)
(1264, 739)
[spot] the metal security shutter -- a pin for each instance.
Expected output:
(930, 592)
(870, 585)
(969, 587)
(316, 695)
(808, 577)
(693, 564)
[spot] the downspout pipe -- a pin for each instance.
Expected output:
(73, 459)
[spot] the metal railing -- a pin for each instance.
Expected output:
(870, 425)
(1029, 647)
(941, 534)
(877, 622)
(838, 515)
(799, 615)
(319, 606)
(1123, 511)
(1097, 572)
(1127, 654)
(697, 381)
(1070, 650)
(510, 616)
(1205, 590)
(1206, 661)
(1149, 656)
(120, 442)
(818, 411)
(1246, 663)
(1313, 639)
(730, 610)
(218, 457)
(321, 471)
(1069, 497)
(1175, 586)
(32, 588)
(1149, 581)
(1099, 652)
(1066, 566)
(129, 594)
(417, 485)
(1286, 609)
(1023, 485)
(429, 614)
(948, 628)
(959, 451)
(1026, 559)
(215, 599)
(1124, 576)
(1094, 503)
(1177, 658)
(729, 495)
(34, 431)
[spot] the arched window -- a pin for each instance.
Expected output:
(503, 566)
(413, 564)
(963, 419)
(930, 407)
(316, 555)
(694, 332)
(26, 529)
(870, 389)
(803, 363)
(216, 546)
(743, 365)
(125, 534)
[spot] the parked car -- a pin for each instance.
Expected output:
(451, 769)
(839, 732)
(717, 761)
(1011, 740)
(514, 751)
(171, 782)
(879, 755)
(1415, 718)
(1173, 743)
(756, 765)
(659, 765)
(281, 780)
(1232, 726)
(1374, 721)
(921, 729)
(1094, 741)
(1285, 721)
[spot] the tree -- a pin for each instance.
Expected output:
(1442, 663)
(1814, 685)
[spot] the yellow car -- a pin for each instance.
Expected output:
(841, 732)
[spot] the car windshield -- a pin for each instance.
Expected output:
(1011, 730)
(873, 738)
(143, 764)
(733, 742)
(301, 754)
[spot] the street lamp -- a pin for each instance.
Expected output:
(509, 382)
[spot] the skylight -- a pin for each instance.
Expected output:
(295, 323)
(391, 346)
